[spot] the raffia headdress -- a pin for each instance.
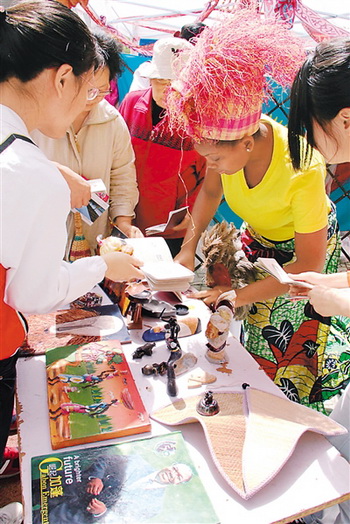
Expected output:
(220, 90)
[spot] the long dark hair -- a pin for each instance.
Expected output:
(320, 90)
(35, 36)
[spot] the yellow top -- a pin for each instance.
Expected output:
(285, 201)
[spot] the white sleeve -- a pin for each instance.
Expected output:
(34, 239)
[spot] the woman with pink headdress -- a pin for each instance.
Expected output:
(217, 100)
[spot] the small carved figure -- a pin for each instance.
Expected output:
(155, 369)
(172, 330)
(146, 349)
(217, 333)
(208, 406)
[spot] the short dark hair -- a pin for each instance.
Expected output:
(189, 31)
(110, 50)
(35, 36)
(320, 90)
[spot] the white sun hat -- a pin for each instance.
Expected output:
(165, 51)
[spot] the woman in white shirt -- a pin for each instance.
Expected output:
(47, 57)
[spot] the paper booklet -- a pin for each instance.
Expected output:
(98, 203)
(175, 217)
(149, 480)
(271, 266)
(92, 395)
(160, 270)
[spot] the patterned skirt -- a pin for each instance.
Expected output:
(305, 354)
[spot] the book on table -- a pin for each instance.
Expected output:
(150, 480)
(92, 394)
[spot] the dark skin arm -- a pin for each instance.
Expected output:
(310, 250)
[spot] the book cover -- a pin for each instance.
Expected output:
(74, 326)
(150, 480)
(92, 394)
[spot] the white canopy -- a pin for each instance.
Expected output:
(153, 19)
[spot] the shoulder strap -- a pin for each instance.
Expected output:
(11, 139)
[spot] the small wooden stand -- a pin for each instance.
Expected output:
(136, 297)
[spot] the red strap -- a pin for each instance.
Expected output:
(12, 332)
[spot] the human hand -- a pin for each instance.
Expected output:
(328, 301)
(312, 277)
(124, 224)
(80, 190)
(122, 267)
(96, 507)
(94, 486)
(185, 222)
(132, 231)
(209, 296)
(228, 296)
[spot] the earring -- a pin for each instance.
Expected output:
(248, 149)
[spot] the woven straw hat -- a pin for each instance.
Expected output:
(165, 52)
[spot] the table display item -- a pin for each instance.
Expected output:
(134, 309)
(74, 326)
(92, 394)
(208, 405)
(150, 480)
(181, 309)
(253, 434)
(145, 349)
(217, 332)
(188, 326)
(225, 262)
(199, 377)
(157, 308)
(172, 329)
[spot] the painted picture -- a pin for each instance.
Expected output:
(92, 394)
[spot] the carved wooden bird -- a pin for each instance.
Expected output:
(225, 261)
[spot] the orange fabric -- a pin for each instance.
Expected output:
(12, 332)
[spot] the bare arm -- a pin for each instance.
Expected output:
(206, 204)
(310, 250)
(80, 190)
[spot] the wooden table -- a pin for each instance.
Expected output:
(315, 476)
